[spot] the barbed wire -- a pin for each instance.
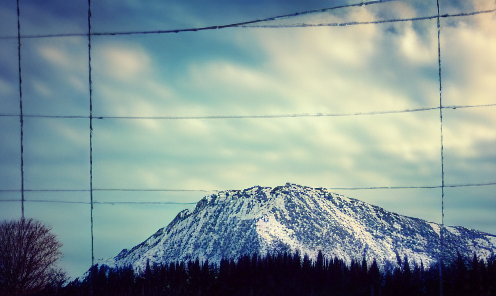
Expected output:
(249, 24)
(441, 238)
(107, 189)
(262, 116)
(91, 131)
(416, 187)
(103, 202)
(346, 24)
(20, 104)
(217, 190)
(198, 29)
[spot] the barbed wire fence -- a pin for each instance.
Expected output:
(259, 23)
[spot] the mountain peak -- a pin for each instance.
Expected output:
(293, 218)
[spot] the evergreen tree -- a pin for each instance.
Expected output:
(484, 279)
(474, 281)
(406, 277)
(459, 275)
(418, 283)
(306, 275)
(374, 278)
(194, 276)
(286, 274)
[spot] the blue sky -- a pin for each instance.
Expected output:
(242, 72)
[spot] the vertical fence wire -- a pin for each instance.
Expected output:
(20, 107)
(441, 245)
(91, 131)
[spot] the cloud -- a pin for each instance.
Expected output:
(41, 88)
(55, 76)
(469, 65)
(126, 82)
(326, 70)
(56, 56)
(417, 51)
(123, 62)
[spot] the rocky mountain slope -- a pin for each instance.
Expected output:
(292, 217)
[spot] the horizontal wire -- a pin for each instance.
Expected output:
(103, 202)
(109, 189)
(205, 190)
(143, 203)
(161, 190)
(249, 24)
(51, 116)
(467, 106)
(415, 187)
(384, 187)
(346, 24)
(266, 116)
(232, 25)
(201, 190)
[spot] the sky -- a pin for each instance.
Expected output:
(239, 107)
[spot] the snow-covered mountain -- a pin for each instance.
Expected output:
(292, 217)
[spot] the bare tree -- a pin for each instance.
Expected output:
(28, 252)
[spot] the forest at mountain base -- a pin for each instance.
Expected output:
(287, 274)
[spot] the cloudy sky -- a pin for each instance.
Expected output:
(225, 99)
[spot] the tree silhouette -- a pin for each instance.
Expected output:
(28, 253)
(374, 278)
(288, 274)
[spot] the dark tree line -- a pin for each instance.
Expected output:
(287, 274)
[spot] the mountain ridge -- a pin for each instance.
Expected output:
(292, 217)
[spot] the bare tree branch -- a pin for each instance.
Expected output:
(28, 253)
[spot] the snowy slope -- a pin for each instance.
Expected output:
(292, 217)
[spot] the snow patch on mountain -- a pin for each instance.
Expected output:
(294, 218)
